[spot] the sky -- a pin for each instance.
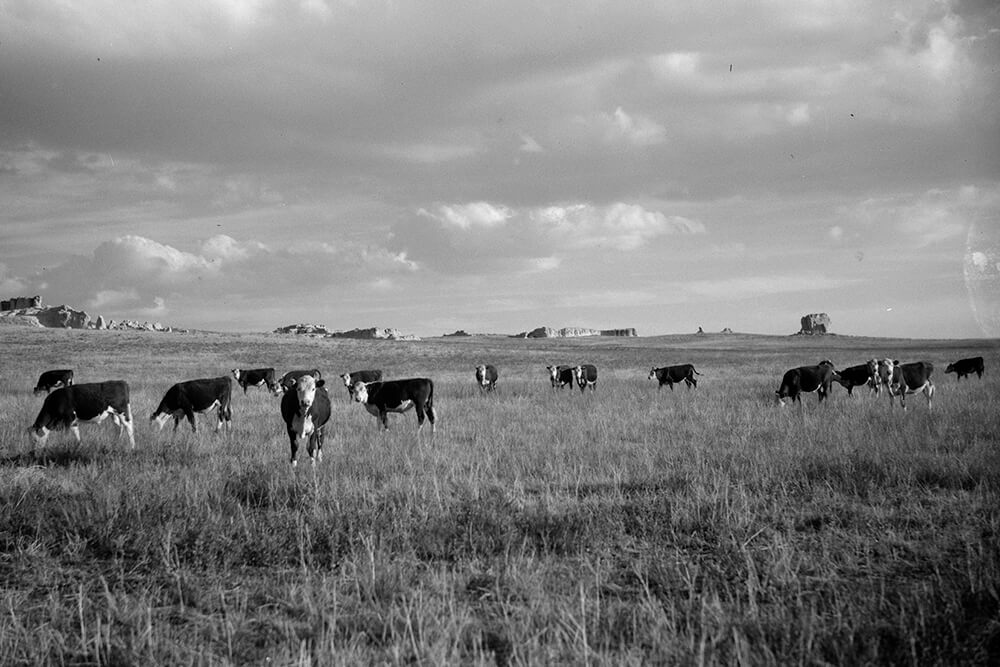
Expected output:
(499, 166)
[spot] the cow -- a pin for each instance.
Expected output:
(255, 378)
(586, 376)
(856, 376)
(381, 398)
(670, 375)
(961, 368)
(186, 398)
(902, 379)
(90, 402)
(807, 379)
(50, 380)
(288, 379)
(560, 376)
(352, 378)
(306, 412)
(486, 377)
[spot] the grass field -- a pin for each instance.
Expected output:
(623, 526)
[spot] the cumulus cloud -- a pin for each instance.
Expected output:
(633, 129)
(136, 276)
(484, 237)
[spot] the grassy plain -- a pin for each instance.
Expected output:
(624, 526)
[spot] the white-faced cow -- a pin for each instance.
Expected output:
(354, 377)
(287, 380)
(50, 380)
(486, 377)
(561, 376)
(184, 399)
(671, 375)
(965, 367)
(90, 402)
(306, 411)
(902, 379)
(256, 377)
(586, 376)
(381, 398)
(806, 379)
(857, 376)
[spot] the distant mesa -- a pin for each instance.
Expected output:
(369, 333)
(573, 332)
(461, 333)
(814, 324)
(30, 311)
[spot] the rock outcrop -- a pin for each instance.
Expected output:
(815, 324)
(573, 332)
(20, 303)
(67, 317)
(371, 333)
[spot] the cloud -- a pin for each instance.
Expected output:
(636, 130)
(483, 237)
(134, 275)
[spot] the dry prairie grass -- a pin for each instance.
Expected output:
(624, 526)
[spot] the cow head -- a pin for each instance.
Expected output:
(826, 362)
(305, 389)
(236, 374)
(578, 375)
(652, 373)
(346, 377)
(951, 369)
(553, 375)
(885, 371)
(360, 392)
(39, 435)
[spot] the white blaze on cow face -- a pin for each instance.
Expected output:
(553, 374)
(39, 435)
(360, 392)
(305, 388)
(885, 368)
(481, 375)
(161, 419)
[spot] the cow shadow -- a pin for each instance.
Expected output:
(63, 457)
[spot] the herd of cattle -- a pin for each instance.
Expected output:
(305, 404)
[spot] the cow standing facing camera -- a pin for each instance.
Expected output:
(305, 407)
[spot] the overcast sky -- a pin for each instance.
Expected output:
(498, 166)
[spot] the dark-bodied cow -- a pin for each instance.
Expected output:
(184, 399)
(965, 367)
(486, 377)
(807, 379)
(354, 377)
(287, 380)
(50, 380)
(586, 376)
(560, 376)
(90, 402)
(381, 398)
(256, 377)
(671, 375)
(306, 411)
(857, 376)
(902, 379)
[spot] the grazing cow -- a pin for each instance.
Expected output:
(306, 412)
(381, 398)
(50, 380)
(669, 375)
(807, 379)
(486, 377)
(856, 376)
(256, 378)
(961, 368)
(586, 376)
(902, 379)
(560, 376)
(352, 378)
(90, 402)
(186, 398)
(288, 379)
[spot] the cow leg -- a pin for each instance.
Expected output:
(929, 393)
(177, 421)
(383, 416)
(315, 447)
(294, 445)
(189, 413)
(74, 428)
